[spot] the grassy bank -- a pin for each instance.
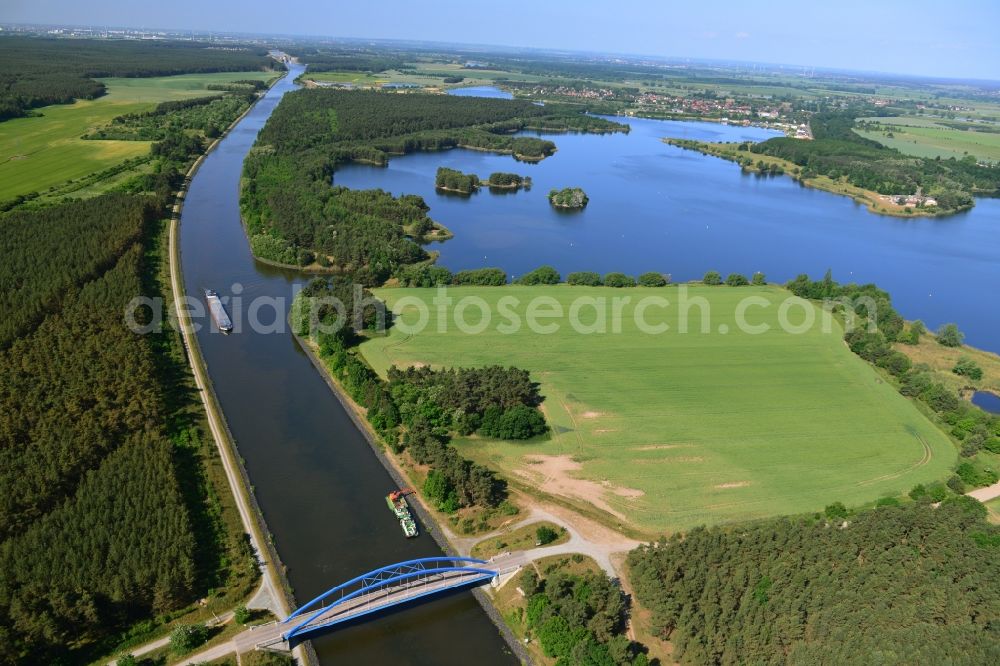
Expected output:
(520, 538)
(942, 360)
(664, 432)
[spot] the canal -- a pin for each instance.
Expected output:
(318, 483)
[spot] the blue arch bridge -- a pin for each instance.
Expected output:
(375, 592)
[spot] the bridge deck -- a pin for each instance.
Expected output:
(373, 601)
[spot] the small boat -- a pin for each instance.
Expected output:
(399, 506)
(218, 311)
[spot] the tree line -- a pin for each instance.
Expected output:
(38, 71)
(430, 275)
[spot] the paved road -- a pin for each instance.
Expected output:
(600, 550)
(211, 654)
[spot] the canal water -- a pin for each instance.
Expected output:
(319, 485)
(654, 207)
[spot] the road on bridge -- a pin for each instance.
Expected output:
(380, 598)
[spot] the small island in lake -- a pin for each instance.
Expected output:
(451, 180)
(500, 180)
(568, 197)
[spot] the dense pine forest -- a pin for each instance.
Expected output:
(908, 584)
(113, 505)
(294, 216)
(103, 520)
(837, 151)
(80, 240)
(39, 71)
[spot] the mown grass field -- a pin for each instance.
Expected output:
(45, 151)
(664, 432)
(922, 137)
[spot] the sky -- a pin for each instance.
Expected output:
(920, 37)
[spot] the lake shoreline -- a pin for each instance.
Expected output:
(872, 200)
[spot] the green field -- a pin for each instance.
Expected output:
(356, 78)
(673, 430)
(922, 137)
(46, 150)
(424, 74)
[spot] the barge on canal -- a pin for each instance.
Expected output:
(399, 506)
(218, 311)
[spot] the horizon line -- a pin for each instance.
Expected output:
(671, 59)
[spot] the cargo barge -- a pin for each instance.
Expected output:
(218, 311)
(401, 509)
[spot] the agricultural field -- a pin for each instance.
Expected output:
(923, 137)
(354, 78)
(430, 75)
(45, 151)
(668, 431)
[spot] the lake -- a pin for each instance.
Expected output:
(987, 401)
(655, 207)
(481, 91)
